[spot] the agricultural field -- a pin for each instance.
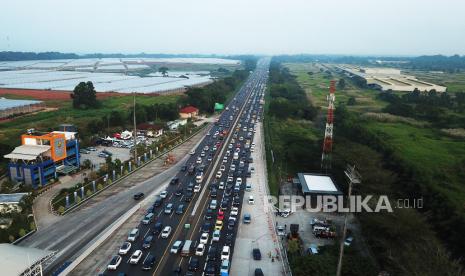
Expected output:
(455, 82)
(111, 75)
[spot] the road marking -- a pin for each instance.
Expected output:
(148, 230)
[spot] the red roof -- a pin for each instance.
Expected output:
(189, 109)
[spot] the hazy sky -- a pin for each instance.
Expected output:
(386, 27)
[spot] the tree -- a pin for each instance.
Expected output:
(293, 247)
(341, 84)
(164, 71)
(351, 101)
(84, 96)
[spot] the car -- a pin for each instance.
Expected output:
(158, 202)
(204, 238)
(92, 149)
(206, 227)
(148, 262)
(213, 193)
(212, 252)
(220, 215)
(192, 152)
(231, 222)
(224, 267)
(221, 185)
(103, 155)
(199, 160)
(135, 257)
(138, 196)
(114, 263)
(251, 200)
(124, 249)
(258, 272)
(133, 235)
(247, 218)
(184, 168)
(209, 214)
(84, 151)
(210, 268)
(213, 204)
(174, 181)
(157, 228)
(234, 211)
(219, 174)
(177, 245)
(164, 194)
(188, 196)
(180, 209)
(222, 168)
(257, 255)
(225, 253)
(166, 232)
(193, 264)
(348, 241)
(168, 209)
(178, 192)
(147, 242)
(280, 230)
(218, 225)
(148, 218)
(200, 249)
(197, 188)
(224, 204)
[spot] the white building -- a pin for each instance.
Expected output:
(173, 125)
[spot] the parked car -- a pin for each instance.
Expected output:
(247, 218)
(257, 255)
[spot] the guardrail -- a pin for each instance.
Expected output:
(122, 177)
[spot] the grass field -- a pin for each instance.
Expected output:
(316, 85)
(11, 130)
(455, 82)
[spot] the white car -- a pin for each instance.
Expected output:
(164, 194)
(124, 249)
(166, 232)
(204, 238)
(197, 188)
(238, 181)
(176, 247)
(251, 200)
(234, 211)
(216, 236)
(114, 263)
(222, 168)
(225, 253)
(221, 185)
(136, 256)
(200, 249)
(219, 174)
(192, 152)
(199, 160)
(280, 230)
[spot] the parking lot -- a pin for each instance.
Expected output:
(118, 153)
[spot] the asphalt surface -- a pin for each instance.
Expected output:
(241, 110)
(70, 234)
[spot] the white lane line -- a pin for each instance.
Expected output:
(148, 230)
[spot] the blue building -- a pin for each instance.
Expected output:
(41, 158)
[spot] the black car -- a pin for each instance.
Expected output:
(209, 214)
(138, 196)
(190, 187)
(193, 264)
(178, 192)
(201, 168)
(148, 263)
(158, 202)
(231, 224)
(210, 270)
(229, 239)
(258, 272)
(147, 242)
(188, 196)
(191, 169)
(157, 228)
(224, 204)
(184, 168)
(206, 227)
(180, 209)
(213, 193)
(227, 192)
(212, 252)
(174, 181)
(257, 255)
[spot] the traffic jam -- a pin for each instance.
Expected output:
(190, 228)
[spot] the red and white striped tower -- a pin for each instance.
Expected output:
(328, 140)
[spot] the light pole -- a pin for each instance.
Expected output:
(135, 130)
(354, 178)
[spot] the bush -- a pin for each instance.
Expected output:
(32, 226)
(22, 232)
(99, 187)
(89, 193)
(61, 210)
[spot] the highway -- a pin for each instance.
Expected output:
(234, 129)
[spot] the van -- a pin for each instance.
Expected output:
(148, 218)
(133, 235)
(186, 248)
(176, 247)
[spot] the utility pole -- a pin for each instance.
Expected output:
(328, 139)
(354, 178)
(135, 130)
